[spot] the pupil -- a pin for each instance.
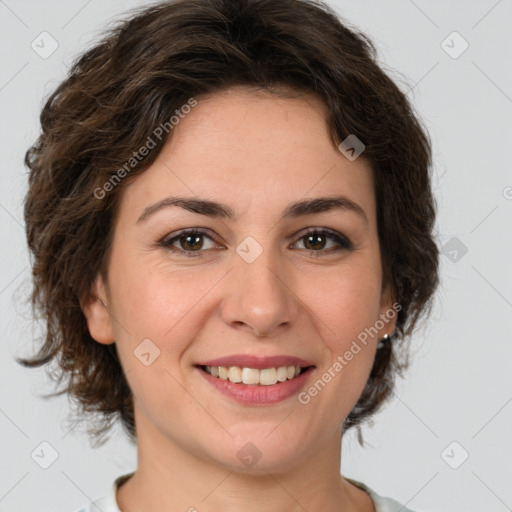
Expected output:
(194, 245)
(313, 241)
(318, 243)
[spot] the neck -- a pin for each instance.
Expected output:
(171, 477)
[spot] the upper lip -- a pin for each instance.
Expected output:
(248, 361)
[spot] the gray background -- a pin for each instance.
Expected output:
(459, 387)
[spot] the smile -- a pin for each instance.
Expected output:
(254, 376)
(263, 387)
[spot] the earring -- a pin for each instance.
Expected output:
(383, 341)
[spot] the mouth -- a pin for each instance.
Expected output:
(255, 376)
(257, 380)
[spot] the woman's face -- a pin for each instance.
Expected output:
(252, 283)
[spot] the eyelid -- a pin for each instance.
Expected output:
(181, 232)
(169, 239)
(342, 241)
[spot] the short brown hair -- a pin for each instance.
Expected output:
(132, 81)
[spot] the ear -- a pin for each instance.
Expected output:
(389, 309)
(96, 310)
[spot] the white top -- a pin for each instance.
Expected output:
(108, 502)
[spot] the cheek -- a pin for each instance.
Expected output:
(346, 305)
(346, 299)
(153, 300)
(158, 306)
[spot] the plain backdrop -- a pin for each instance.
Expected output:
(444, 443)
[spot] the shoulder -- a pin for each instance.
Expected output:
(382, 503)
(108, 502)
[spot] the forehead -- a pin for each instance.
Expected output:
(253, 148)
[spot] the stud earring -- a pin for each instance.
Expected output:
(384, 340)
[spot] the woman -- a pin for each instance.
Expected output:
(231, 217)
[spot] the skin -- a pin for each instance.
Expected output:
(257, 153)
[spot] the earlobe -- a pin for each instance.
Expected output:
(96, 312)
(388, 311)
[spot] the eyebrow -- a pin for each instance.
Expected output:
(219, 210)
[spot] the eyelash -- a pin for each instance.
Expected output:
(343, 242)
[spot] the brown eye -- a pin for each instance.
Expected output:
(188, 242)
(317, 240)
(191, 242)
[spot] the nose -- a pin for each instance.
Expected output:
(259, 297)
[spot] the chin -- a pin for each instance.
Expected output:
(255, 452)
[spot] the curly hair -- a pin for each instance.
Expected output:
(132, 80)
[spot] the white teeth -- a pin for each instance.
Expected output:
(264, 377)
(235, 374)
(250, 376)
(282, 373)
(268, 376)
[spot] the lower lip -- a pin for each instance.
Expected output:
(258, 394)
